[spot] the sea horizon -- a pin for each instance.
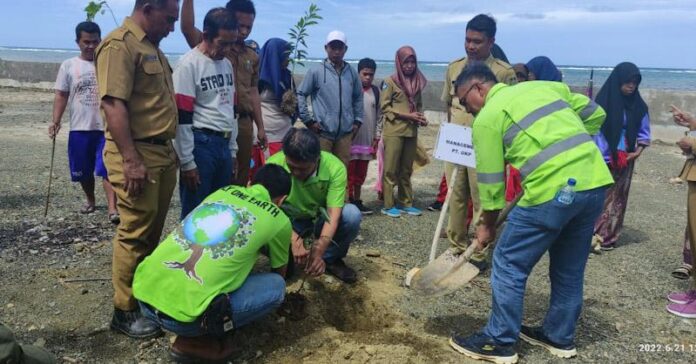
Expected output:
(682, 79)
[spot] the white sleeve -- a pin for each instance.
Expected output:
(63, 78)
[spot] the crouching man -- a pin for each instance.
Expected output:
(319, 181)
(197, 283)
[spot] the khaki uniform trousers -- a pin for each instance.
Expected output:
(399, 154)
(245, 142)
(142, 218)
(464, 189)
(339, 147)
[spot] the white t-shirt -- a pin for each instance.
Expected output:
(204, 87)
(78, 78)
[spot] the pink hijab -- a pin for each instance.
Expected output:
(410, 85)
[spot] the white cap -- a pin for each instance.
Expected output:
(336, 35)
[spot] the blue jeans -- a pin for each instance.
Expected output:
(214, 162)
(348, 229)
(260, 294)
(565, 231)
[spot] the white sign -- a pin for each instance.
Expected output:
(454, 145)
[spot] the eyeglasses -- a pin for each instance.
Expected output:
(462, 100)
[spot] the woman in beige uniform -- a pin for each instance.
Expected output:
(402, 109)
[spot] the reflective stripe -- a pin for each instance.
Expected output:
(531, 118)
(551, 151)
(588, 110)
(490, 177)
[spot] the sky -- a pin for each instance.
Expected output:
(650, 33)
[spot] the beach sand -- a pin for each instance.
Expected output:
(376, 320)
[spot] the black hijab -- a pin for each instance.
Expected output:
(616, 104)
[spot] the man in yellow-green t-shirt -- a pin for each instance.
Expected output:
(319, 182)
(197, 283)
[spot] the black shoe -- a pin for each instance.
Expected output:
(133, 324)
(535, 336)
(482, 347)
(340, 270)
(363, 210)
(435, 206)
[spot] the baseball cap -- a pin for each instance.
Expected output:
(336, 35)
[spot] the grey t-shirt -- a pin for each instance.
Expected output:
(204, 87)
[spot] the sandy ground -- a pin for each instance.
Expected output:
(376, 320)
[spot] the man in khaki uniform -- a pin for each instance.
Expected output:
(480, 36)
(245, 62)
(137, 100)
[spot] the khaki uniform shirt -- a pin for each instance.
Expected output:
(132, 69)
(393, 100)
(502, 71)
(246, 76)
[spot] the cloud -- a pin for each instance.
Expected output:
(531, 16)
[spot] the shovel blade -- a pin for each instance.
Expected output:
(442, 276)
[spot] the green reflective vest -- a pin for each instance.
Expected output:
(542, 129)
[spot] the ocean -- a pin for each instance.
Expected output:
(574, 75)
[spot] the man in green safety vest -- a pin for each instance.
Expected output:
(544, 130)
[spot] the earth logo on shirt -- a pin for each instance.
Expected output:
(216, 228)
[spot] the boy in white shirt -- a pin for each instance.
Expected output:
(76, 85)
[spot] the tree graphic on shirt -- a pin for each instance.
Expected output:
(214, 227)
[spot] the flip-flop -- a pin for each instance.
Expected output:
(683, 272)
(88, 209)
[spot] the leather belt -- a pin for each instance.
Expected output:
(222, 134)
(154, 141)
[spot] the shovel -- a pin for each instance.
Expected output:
(449, 272)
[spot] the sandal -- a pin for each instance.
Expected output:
(88, 209)
(114, 218)
(683, 272)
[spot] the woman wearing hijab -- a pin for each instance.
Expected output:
(624, 135)
(541, 68)
(402, 110)
(274, 82)
(537, 69)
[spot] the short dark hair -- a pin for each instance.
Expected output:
(242, 6)
(274, 178)
(483, 23)
(301, 145)
(216, 19)
(156, 3)
(87, 27)
(367, 63)
(475, 71)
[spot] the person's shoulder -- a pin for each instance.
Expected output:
(500, 63)
(117, 35)
(457, 63)
(500, 67)
(190, 57)
(278, 158)
(250, 53)
(69, 62)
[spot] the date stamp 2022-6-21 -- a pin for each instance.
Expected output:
(667, 348)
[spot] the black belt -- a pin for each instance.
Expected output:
(222, 134)
(154, 141)
(244, 114)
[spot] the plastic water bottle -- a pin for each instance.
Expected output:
(566, 195)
